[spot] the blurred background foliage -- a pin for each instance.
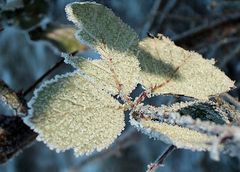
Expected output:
(34, 33)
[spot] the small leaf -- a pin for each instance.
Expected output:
(10, 98)
(167, 68)
(69, 112)
(63, 38)
(103, 31)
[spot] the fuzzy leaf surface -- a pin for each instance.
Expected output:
(170, 69)
(113, 39)
(69, 112)
(102, 75)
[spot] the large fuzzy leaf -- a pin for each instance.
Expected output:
(69, 112)
(105, 32)
(170, 69)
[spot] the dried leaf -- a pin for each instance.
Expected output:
(63, 38)
(10, 98)
(69, 112)
(103, 31)
(170, 69)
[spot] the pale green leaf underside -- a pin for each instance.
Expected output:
(69, 112)
(192, 125)
(179, 136)
(189, 73)
(157, 123)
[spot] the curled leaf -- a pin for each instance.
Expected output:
(69, 112)
(192, 125)
(100, 28)
(162, 124)
(167, 68)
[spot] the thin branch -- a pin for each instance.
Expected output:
(231, 100)
(206, 28)
(32, 87)
(229, 56)
(160, 160)
(150, 19)
(168, 7)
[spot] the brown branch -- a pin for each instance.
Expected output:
(14, 136)
(160, 160)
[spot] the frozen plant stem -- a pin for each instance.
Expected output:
(153, 167)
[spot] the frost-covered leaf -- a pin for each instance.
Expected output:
(105, 32)
(69, 112)
(100, 71)
(173, 134)
(192, 125)
(10, 98)
(100, 28)
(170, 69)
(204, 110)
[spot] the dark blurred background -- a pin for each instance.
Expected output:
(210, 27)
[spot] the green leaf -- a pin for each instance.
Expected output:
(100, 27)
(167, 68)
(69, 112)
(195, 125)
(105, 32)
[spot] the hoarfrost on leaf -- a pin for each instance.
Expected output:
(69, 112)
(102, 75)
(167, 68)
